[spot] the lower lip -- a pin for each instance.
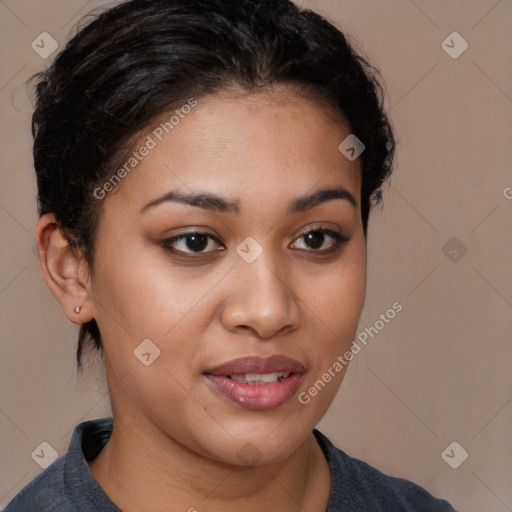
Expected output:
(256, 397)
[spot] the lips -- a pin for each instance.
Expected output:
(257, 383)
(255, 364)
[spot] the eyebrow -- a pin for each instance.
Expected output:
(220, 204)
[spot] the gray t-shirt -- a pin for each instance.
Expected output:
(67, 485)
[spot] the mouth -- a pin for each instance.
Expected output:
(259, 379)
(257, 383)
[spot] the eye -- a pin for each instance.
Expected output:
(316, 238)
(196, 243)
(192, 242)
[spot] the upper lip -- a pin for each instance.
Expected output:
(257, 364)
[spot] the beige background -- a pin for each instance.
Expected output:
(440, 370)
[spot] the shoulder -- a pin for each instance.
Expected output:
(358, 486)
(67, 484)
(43, 493)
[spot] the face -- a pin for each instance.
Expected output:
(246, 298)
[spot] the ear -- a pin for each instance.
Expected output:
(66, 274)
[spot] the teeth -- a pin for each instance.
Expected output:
(259, 379)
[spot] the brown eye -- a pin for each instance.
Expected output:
(192, 242)
(316, 238)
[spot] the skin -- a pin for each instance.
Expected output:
(175, 439)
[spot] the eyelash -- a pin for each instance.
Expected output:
(337, 237)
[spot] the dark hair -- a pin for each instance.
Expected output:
(135, 62)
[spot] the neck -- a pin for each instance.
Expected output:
(145, 469)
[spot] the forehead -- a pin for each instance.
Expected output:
(264, 143)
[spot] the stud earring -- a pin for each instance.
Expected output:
(77, 309)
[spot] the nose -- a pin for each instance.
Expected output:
(262, 301)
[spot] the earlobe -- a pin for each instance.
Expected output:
(62, 270)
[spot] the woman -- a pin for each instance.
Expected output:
(206, 171)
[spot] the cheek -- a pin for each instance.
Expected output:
(333, 307)
(140, 295)
(337, 296)
(144, 298)
(337, 306)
